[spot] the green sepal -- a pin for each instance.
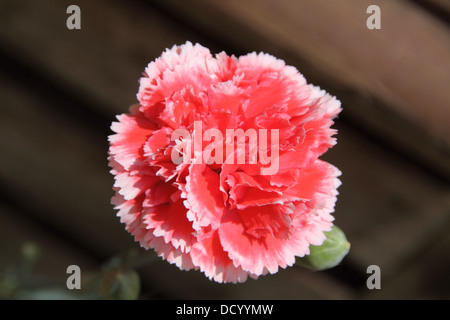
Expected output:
(329, 254)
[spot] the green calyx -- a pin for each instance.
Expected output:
(329, 254)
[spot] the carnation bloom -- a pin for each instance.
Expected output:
(228, 219)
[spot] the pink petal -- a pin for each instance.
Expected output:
(130, 213)
(203, 196)
(268, 220)
(131, 133)
(267, 254)
(319, 177)
(131, 185)
(174, 256)
(209, 256)
(169, 221)
(160, 193)
(258, 255)
(186, 66)
(179, 109)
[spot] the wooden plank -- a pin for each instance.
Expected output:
(393, 81)
(441, 6)
(55, 254)
(424, 278)
(59, 167)
(444, 5)
(103, 61)
(388, 207)
(294, 283)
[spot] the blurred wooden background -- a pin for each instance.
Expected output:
(60, 89)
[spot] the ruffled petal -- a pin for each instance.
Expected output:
(187, 66)
(258, 255)
(169, 221)
(319, 178)
(130, 213)
(210, 257)
(204, 197)
(174, 256)
(131, 133)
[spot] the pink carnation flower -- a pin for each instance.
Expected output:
(228, 219)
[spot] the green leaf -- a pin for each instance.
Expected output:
(329, 254)
(120, 285)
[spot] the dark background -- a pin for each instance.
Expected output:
(60, 89)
